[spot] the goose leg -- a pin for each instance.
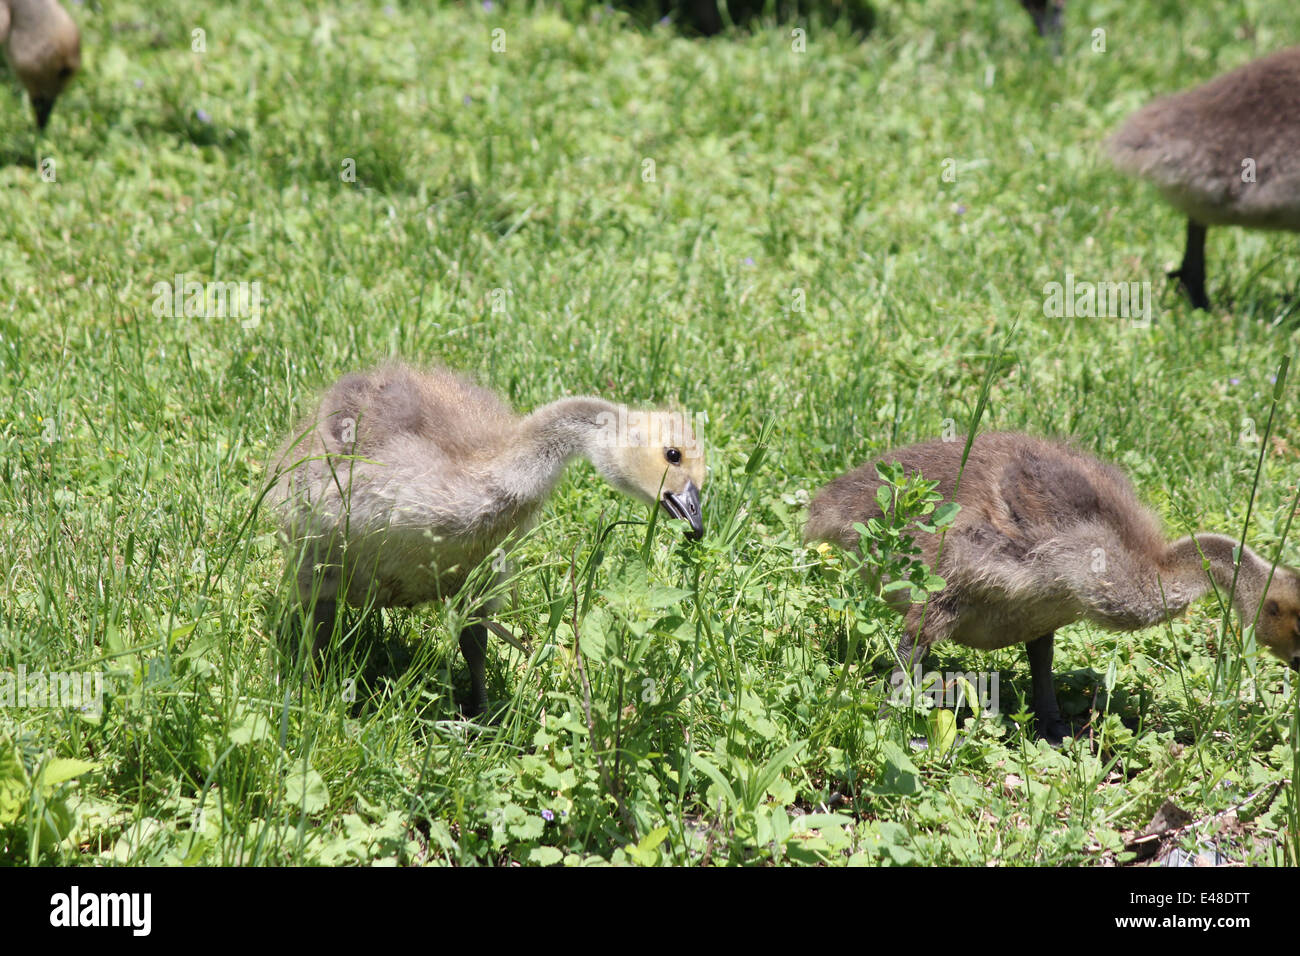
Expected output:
(706, 17)
(908, 653)
(473, 645)
(1047, 713)
(323, 616)
(1191, 274)
(1049, 16)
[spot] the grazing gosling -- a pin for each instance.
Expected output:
(1048, 535)
(43, 47)
(403, 482)
(1225, 153)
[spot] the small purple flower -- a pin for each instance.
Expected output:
(468, 99)
(664, 21)
(1234, 381)
(548, 815)
(203, 116)
(960, 210)
(1273, 379)
(139, 84)
(488, 5)
(749, 260)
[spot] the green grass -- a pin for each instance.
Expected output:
(798, 269)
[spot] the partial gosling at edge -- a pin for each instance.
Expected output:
(1048, 535)
(1226, 153)
(403, 482)
(43, 46)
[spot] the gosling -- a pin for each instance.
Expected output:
(1226, 154)
(403, 482)
(1048, 535)
(43, 47)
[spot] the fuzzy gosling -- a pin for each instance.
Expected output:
(44, 48)
(1226, 153)
(1048, 535)
(402, 482)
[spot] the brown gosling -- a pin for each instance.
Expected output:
(1048, 535)
(403, 482)
(43, 47)
(1226, 153)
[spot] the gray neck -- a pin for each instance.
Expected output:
(551, 437)
(1184, 580)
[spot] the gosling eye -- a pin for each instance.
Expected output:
(1271, 608)
(673, 455)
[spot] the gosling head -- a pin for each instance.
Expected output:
(45, 52)
(654, 457)
(1278, 627)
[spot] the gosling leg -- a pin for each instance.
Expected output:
(1047, 712)
(706, 17)
(473, 646)
(908, 653)
(1191, 274)
(1049, 17)
(323, 616)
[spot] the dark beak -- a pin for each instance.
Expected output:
(43, 107)
(687, 507)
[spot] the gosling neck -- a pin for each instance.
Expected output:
(1184, 580)
(554, 435)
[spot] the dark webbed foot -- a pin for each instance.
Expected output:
(1054, 732)
(1194, 288)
